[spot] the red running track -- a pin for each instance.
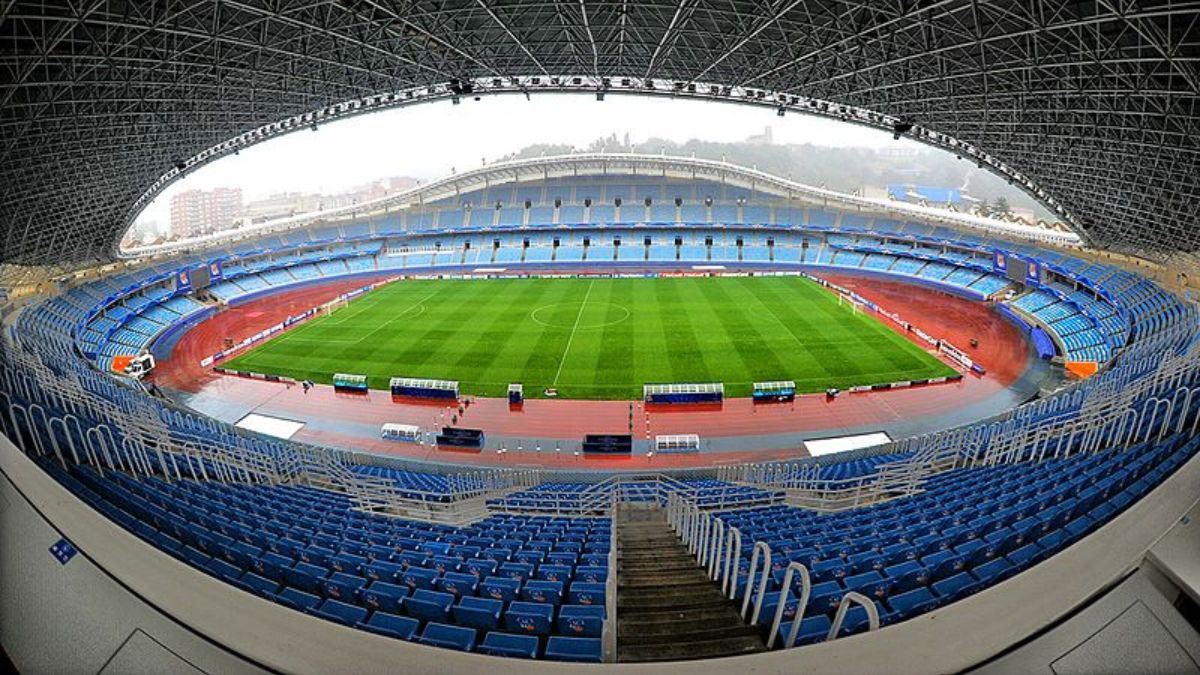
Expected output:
(346, 419)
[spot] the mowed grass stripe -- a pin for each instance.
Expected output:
(605, 342)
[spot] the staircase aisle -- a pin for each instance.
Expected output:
(667, 607)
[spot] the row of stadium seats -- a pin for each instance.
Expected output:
(969, 529)
(261, 268)
(535, 579)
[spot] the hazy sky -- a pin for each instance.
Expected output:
(425, 141)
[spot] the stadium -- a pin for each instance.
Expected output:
(603, 411)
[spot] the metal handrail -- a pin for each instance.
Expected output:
(784, 593)
(843, 607)
(763, 551)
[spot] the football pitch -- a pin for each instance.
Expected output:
(597, 338)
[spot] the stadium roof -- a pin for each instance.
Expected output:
(1094, 106)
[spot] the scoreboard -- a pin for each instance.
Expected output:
(197, 278)
(1018, 268)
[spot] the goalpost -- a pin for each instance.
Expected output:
(855, 307)
(333, 306)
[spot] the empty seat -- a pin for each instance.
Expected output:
(500, 588)
(586, 593)
(581, 620)
(586, 650)
(384, 623)
(418, 577)
(911, 603)
(507, 644)
(542, 591)
(259, 585)
(343, 613)
(458, 583)
(428, 605)
(452, 637)
(342, 586)
(812, 629)
(529, 617)
(297, 599)
(481, 613)
(382, 596)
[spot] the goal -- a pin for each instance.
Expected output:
(333, 306)
(855, 306)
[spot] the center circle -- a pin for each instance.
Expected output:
(566, 315)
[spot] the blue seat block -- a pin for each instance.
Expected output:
(516, 570)
(259, 585)
(384, 597)
(583, 650)
(581, 620)
(543, 591)
(428, 605)
(480, 567)
(343, 586)
(955, 587)
(384, 623)
(812, 629)
(912, 603)
(297, 599)
(381, 570)
(340, 612)
(458, 583)
(591, 573)
(418, 578)
(507, 644)
(551, 572)
(481, 613)
(500, 588)
(451, 637)
(306, 577)
(586, 593)
(529, 617)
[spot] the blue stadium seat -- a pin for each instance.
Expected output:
(584, 650)
(529, 617)
(259, 585)
(481, 613)
(507, 644)
(428, 605)
(911, 603)
(297, 599)
(586, 593)
(341, 612)
(391, 625)
(451, 637)
(542, 591)
(458, 584)
(812, 629)
(581, 620)
(343, 586)
(306, 577)
(500, 588)
(383, 596)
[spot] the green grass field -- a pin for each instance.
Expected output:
(598, 338)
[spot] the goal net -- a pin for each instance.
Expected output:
(333, 306)
(854, 306)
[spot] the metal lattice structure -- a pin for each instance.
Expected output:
(1093, 106)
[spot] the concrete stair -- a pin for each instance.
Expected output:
(667, 607)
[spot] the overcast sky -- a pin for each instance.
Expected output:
(426, 141)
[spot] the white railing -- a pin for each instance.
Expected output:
(718, 548)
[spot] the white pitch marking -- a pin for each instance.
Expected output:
(570, 339)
